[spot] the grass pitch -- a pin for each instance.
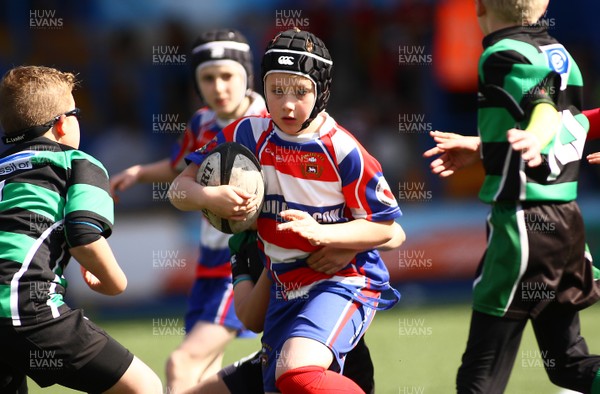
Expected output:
(415, 350)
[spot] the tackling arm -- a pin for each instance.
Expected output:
(330, 260)
(359, 234)
(251, 301)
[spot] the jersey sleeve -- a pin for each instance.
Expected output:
(185, 144)
(367, 193)
(181, 148)
(89, 207)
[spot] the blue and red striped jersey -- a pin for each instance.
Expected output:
(329, 175)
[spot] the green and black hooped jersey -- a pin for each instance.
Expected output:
(521, 67)
(43, 187)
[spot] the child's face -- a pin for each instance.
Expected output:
(223, 87)
(290, 99)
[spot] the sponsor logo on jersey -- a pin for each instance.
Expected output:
(557, 59)
(21, 163)
(286, 60)
(329, 216)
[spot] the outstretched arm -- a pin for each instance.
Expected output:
(252, 300)
(455, 151)
(160, 171)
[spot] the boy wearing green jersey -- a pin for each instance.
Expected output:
(536, 267)
(54, 204)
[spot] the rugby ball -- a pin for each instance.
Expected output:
(232, 164)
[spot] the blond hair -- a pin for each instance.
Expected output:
(33, 95)
(526, 12)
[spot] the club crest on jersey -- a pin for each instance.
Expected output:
(311, 167)
(384, 193)
(558, 60)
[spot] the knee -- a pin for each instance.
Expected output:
(472, 380)
(178, 358)
(559, 378)
(139, 378)
(563, 376)
(315, 379)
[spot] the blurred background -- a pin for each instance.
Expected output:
(401, 68)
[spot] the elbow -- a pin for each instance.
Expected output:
(251, 322)
(174, 195)
(401, 238)
(113, 292)
(181, 195)
(256, 329)
(396, 240)
(120, 289)
(254, 326)
(117, 288)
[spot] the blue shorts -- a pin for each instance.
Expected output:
(335, 320)
(211, 300)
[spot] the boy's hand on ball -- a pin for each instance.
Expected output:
(232, 203)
